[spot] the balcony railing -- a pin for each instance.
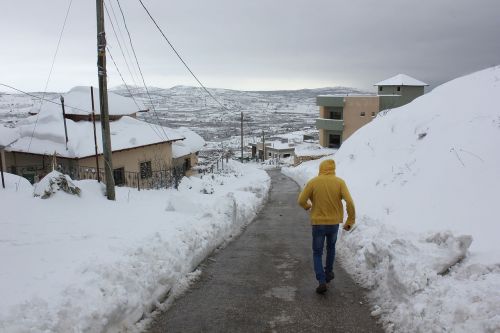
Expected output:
(330, 124)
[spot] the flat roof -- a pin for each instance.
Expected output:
(348, 95)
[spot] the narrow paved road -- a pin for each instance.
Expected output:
(264, 282)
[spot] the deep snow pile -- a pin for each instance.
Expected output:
(85, 264)
(53, 182)
(425, 181)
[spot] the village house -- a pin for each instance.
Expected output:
(145, 155)
(277, 149)
(341, 115)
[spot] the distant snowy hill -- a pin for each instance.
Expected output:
(188, 98)
(425, 180)
(275, 112)
(14, 107)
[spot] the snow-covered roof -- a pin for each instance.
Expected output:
(401, 80)
(8, 135)
(49, 137)
(78, 101)
(191, 144)
(313, 149)
(348, 95)
(279, 145)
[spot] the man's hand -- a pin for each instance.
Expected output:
(347, 227)
(308, 207)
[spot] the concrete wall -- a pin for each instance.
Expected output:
(32, 160)
(354, 106)
(406, 95)
(159, 154)
(180, 162)
(28, 165)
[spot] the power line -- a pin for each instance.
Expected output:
(118, 70)
(119, 44)
(135, 75)
(123, 80)
(139, 67)
(44, 99)
(50, 74)
(180, 58)
(131, 95)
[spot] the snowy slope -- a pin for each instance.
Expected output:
(86, 264)
(425, 180)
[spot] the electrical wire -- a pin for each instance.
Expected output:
(50, 74)
(126, 86)
(43, 98)
(119, 44)
(180, 58)
(135, 75)
(140, 71)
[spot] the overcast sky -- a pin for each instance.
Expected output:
(254, 44)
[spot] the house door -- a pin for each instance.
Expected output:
(119, 176)
(334, 140)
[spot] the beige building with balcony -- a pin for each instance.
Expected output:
(342, 115)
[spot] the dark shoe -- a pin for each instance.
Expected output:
(329, 277)
(321, 289)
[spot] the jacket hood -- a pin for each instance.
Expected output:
(327, 167)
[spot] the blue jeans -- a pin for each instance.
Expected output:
(319, 234)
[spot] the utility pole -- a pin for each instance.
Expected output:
(64, 121)
(1, 167)
(103, 101)
(263, 146)
(241, 125)
(95, 135)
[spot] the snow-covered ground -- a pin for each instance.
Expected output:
(425, 181)
(86, 264)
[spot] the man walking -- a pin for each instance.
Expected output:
(323, 196)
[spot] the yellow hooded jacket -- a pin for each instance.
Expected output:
(326, 192)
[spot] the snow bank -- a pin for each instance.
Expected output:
(14, 183)
(424, 178)
(53, 182)
(89, 264)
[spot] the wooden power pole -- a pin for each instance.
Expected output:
(263, 146)
(241, 125)
(95, 136)
(103, 101)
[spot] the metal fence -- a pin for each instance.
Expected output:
(166, 178)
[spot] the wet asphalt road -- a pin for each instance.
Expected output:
(264, 282)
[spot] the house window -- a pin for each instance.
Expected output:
(145, 170)
(334, 141)
(362, 114)
(373, 114)
(334, 113)
(270, 154)
(187, 164)
(380, 88)
(119, 176)
(286, 155)
(399, 88)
